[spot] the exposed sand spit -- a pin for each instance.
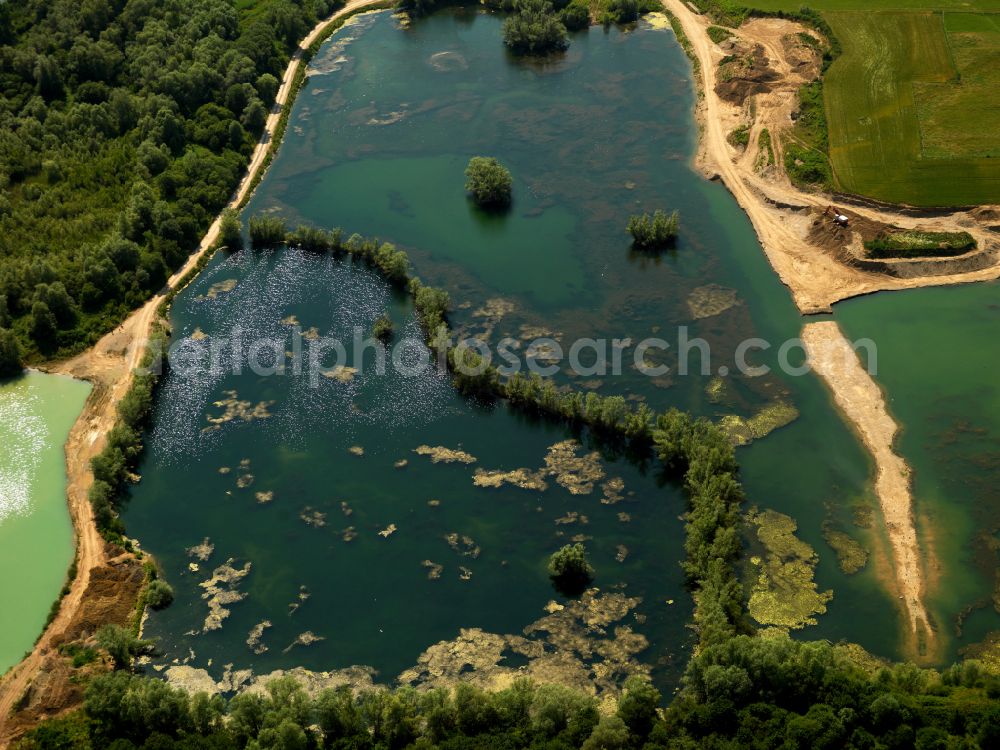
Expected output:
(860, 399)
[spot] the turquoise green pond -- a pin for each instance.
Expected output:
(36, 537)
(938, 361)
(377, 144)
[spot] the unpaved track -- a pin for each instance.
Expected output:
(860, 399)
(109, 366)
(816, 279)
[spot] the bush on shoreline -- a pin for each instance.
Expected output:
(267, 231)
(534, 29)
(10, 354)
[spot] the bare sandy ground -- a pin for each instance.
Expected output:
(814, 276)
(109, 365)
(860, 399)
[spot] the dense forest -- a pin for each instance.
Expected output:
(125, 125)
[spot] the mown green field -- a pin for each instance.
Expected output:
(911, 106)
(791, 5)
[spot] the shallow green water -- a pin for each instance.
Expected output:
(377, 144)
(938, 361)
(36, 537)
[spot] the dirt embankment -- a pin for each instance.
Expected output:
(108, 582)
(815, 274)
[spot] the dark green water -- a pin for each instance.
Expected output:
(937, 360)
(377, 144)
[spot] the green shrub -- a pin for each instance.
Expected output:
(740, 136)
(534, 29)
(10, 354)
(488, 181)
(718, 34)
(231, 231)
(653, 232)
(765, 150)
(576, 15)
(383, 328)
(570, 570)
(910, 244)
(267, 231)
(159, 594)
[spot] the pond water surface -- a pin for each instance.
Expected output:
(377, 144)
(36, 537)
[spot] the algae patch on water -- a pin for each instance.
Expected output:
(235, 408)
(440, 454)
(583, 644)
(710, 300)
(576, 473)
(851, 556)
(744, 430)
(784, 593)
(220, 591)
(524, 478)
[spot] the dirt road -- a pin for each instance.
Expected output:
(109, 366)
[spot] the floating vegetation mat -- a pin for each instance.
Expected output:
(577, 473)
(215, 290)
(220, 591)
(341, 373)
(784, 593)
(744, 430)
(234, 408)
(201, 551)
(255, 638)
(716, 390)
(584, 644)
(851, 556)
(524, 478)
(711, 299)
(440, 454)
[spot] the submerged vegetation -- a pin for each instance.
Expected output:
(489, 182)
(653, 232)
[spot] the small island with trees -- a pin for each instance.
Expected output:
(570, 570)
(488, 182)
(654, 232)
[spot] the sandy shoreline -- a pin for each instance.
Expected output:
(862, 403)
(109, 366)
